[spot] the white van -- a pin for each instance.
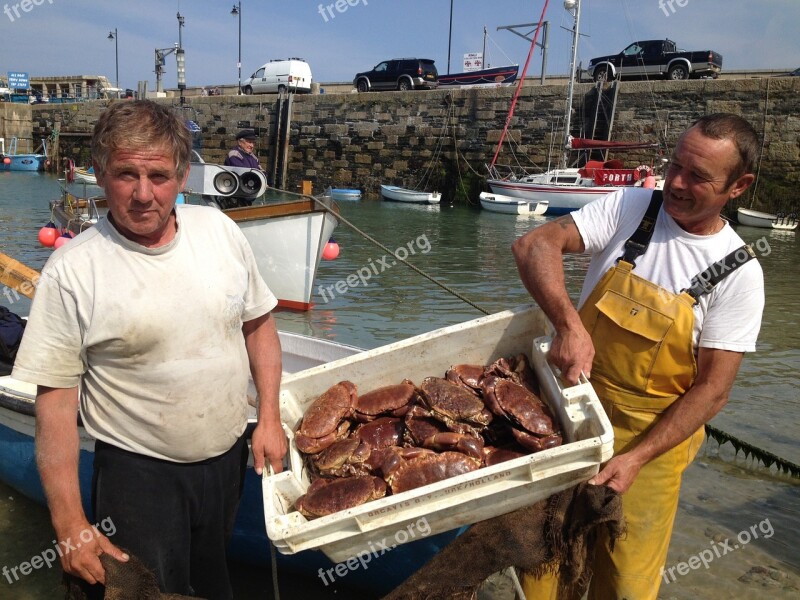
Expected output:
(292, 74)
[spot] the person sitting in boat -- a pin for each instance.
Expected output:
(127, 328)
(242, 155)
(670, 304)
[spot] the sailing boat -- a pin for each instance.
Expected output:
(569, 188)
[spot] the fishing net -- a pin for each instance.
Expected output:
(556, 534)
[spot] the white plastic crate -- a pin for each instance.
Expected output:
(451, 503)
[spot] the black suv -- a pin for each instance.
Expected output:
(399, 74)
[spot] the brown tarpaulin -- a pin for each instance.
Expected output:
(556, 533)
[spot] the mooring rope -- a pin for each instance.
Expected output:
(764, 456)
(366, 236)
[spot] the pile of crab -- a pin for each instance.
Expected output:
(400, 437)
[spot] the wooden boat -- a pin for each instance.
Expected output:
(14, 161)
(754, 218)
(510, 205)
(398, 194)
(343, 194)
(85, 175)
(287, 236)
(494, 76)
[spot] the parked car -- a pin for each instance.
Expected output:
(399, 74)
(795, 73)
(291, 74)
(656, 58)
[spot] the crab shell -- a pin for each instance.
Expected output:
(430, 468)
(390, 400)
(457, 442)
(322, 422)
(467, 376)
(381, 433)
(420, 425)
(517, 369)
(328, 496)
(459, 409)
(519, 405)
(342, 458)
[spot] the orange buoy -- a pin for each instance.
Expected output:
(331, 250)
(650, 182)
(48, 235)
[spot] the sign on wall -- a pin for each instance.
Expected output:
(18, 80)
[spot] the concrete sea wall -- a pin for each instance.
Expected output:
(363, 140)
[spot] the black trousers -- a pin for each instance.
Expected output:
(177, 518)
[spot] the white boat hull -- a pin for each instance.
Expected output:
(510, 205)
(561, 199)
(754, 218)
(398, 194)
(287, 240)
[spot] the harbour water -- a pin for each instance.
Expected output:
(725, 497)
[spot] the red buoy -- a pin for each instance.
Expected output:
(48, 235)
(331, 250)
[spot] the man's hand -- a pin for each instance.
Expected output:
(81, 558)
(618, 473)
(269, 444)
(572, 351)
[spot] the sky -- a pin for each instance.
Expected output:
(70, 37)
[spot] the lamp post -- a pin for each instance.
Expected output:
(237, 11)
(450, 37)
(112, 35)
(181, 59)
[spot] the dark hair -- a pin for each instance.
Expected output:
(727, 126)
(137, 124)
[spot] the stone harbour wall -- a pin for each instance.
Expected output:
(445, 136)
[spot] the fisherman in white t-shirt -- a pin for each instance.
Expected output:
(150, 323)
(670, 304)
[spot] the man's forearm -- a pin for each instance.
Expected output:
(264, 353)
(57, 455)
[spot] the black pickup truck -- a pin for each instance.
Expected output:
(656, 58)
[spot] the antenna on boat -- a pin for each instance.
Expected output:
(574, 8)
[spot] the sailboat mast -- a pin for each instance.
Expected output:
(574, 7)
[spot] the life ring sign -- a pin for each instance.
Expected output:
(641, 172)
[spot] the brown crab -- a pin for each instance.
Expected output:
(517, 369)
(326, 420)
(381, 433)
(459, 409)
(428, 468)
(467, 376)
(328, 496)
(531, 419)
(342, 458)
(390, 400)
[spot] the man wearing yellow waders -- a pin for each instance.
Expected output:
(670, 303)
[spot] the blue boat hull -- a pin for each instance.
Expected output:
(250, 543)
(23, 162)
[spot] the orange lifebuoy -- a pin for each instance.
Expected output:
(70, 170)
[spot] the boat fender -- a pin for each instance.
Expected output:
(331, 250)
(48, 235)
(649, 182)
(70, 170)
